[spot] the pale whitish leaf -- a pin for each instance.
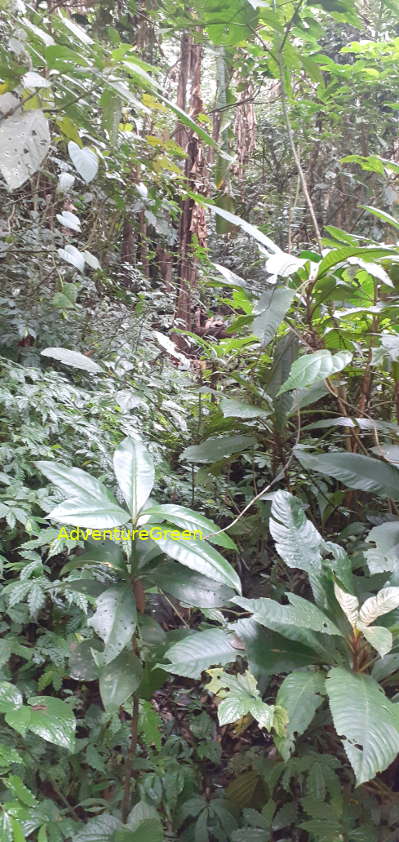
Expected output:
(167, 345)
(84, 160)
(53, 720)
(300, 694)
(386, 600)
(252, 230)
(373, 269)
(340, 255)
(198, 651)
(269, 312)
(230, 278)
(10, 697)
(365, 719)
(73, 256)
(115, 620)
(390, 452)
(354, 470)
(313, 367)
(91, 260)
(31, 79)
(385, 555)
(72, 358)
(134, 470)
(24, 143)
(65, 182)
(76, 30)
(119, 680)
(348, 603)
(69, 220)
(378, 637)
(283, 264)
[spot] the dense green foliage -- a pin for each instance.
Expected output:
(199, 312)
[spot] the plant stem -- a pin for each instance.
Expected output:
(128, 772)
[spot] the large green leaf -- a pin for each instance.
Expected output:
(228, 22)
(365, 719)
(90, 505)
(53, 720)
(269, 312)
(354, 470)
(300, 694)
(119, 680)
(115, 620)
(203, 558)
(336, 256)
(310, 368)
(134, 470)
(300, 613)
(385, 555)
(189, 520)
(297, 541)
(199, 651)
(217, 447)
(268, 652)
(234, 408)
(190, 587)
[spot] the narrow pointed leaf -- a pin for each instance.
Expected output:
(134, 470)
(354, 470)
(89, 503)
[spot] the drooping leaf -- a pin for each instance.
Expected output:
(134, 470)
(217, 447)
(310, 368)
(366, 721)
(115, 620)
(190, 520)
(199, 651)
(189, 587)
(301, 693)
(385, 555)
(300, 613)
(203, 558)
(354, 470)
(269, 312)
(337, 256)
(72, 358)
(386, 217)
(230, 278)
(84, 160)
(69, 220)
(120, 679)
